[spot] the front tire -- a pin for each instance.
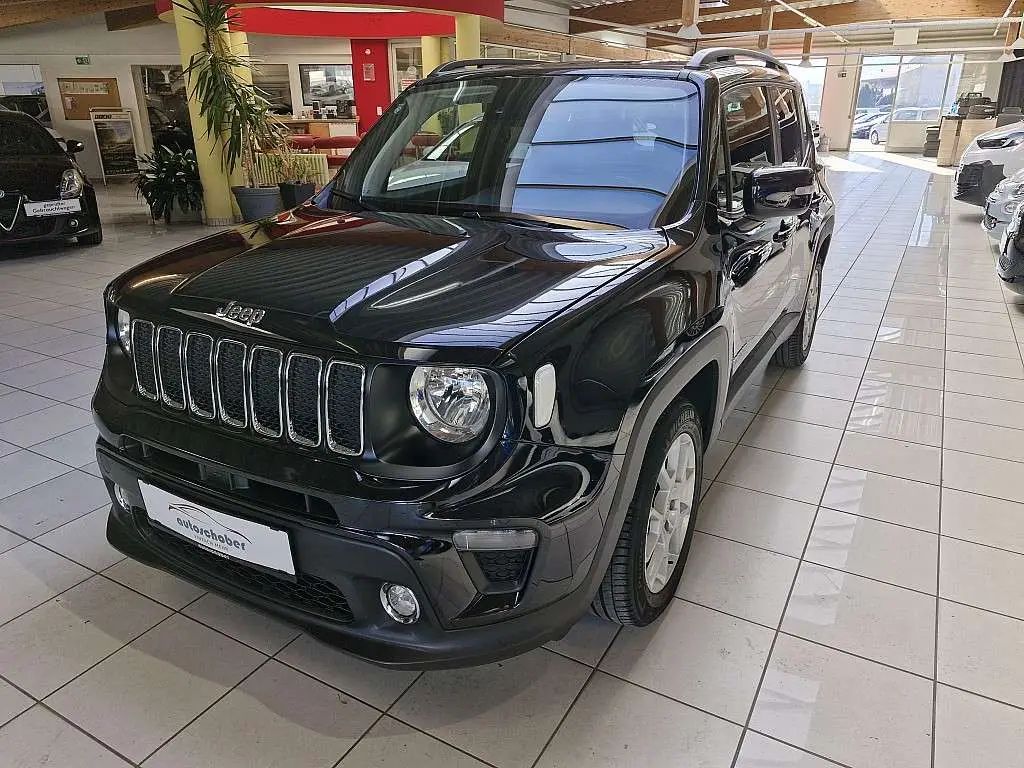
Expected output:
(873, 138)
(656, 534)
(797, 347)
(93, 239)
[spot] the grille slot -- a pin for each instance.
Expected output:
(303, 398)
(344, 408)
(230, 366)
(503, 566)
(145, 362)
(199, 374)
(265, 389)
(277, 393)
(169, 369)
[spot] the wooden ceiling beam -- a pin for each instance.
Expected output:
(669, 13)
(864, 10)
(18, 13)
(129, 18)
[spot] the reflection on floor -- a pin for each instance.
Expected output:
(853, 598)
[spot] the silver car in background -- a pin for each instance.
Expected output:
(1002, 202)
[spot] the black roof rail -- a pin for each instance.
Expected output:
(453, 66)
(709, 57)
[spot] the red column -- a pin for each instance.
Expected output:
(371, 80)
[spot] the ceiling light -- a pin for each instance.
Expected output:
(1007, 56)
(691, 32)
(805, 61)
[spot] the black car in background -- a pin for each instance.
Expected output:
(43, 193)
(433, 417)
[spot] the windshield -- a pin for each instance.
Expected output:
(612, 150)
(18, 137)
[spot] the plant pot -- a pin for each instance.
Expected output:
(292, 194)
(258, 202)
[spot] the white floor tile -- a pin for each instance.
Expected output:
(891, 553)
(883, 497)
(845, 708)
(744, 581)
(758, 519)
(864, 617)
(970, 730)
(719, 672)
(979, 651)
(617, 724)
(502, 713)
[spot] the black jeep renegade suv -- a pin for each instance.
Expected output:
(463, 394)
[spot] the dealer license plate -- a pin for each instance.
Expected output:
(220, 533)
(52, 207)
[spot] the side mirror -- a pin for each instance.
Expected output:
(770, 193)
(73, 146)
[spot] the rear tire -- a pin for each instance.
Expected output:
(656, 534)
(873, 138)
(797, 347)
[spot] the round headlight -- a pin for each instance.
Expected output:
(124, 330)
(450, 403)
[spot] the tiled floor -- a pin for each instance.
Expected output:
(853, 598)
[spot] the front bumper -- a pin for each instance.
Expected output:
(1010, 265)
(62, 227)
(976, 181)
(341, 565)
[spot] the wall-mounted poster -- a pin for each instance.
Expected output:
(330, 84)
(115, 137)
(80, 94)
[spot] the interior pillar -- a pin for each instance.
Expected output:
(430, 48)
(467, 36)
(217, 198)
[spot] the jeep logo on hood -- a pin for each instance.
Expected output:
(248, 315)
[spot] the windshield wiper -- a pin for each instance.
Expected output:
(354, 199)
(522, 219)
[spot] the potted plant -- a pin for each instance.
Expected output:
(169, 182)
(296, 182)
(235, 110)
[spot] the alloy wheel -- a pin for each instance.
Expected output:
(670, 513)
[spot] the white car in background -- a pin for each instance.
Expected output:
(879, 132)
(1002, 203)
(990, 158)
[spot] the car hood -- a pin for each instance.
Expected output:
(35, 176)
(387, 285)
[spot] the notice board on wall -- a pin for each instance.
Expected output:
(80, 94)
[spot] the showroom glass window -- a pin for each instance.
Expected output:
(811, 76)
(608, 150)
(749, 139)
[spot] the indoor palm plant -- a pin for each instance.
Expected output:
(169, 181)
(295, 176)
(234, 109)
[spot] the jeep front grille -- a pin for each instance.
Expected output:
(274, 393)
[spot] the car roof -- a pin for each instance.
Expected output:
(13, 115)
(726, 72)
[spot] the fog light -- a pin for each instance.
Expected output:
(400, 603)
(73, 223)
(121, 495)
